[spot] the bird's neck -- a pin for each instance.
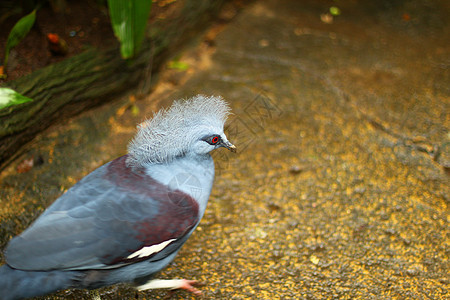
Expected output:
(193, 174)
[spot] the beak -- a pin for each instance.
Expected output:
(229, 146)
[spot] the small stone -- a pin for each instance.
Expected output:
(26, 165)
(294, 170)
(263, 43)
(326, 18)
(407, 242)
(412, 272)
(360, 190)
(384, 217)
(273, 207)
(390, 231)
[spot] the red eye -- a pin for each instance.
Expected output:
(215, 140)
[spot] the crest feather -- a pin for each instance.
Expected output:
(169, 133)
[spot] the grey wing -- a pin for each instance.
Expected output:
(97, 225)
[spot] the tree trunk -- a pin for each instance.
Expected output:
(94, 77)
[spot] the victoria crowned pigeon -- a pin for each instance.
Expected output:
(128, 219)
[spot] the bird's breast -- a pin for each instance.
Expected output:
(192, 176)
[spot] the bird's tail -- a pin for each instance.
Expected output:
(17, 284)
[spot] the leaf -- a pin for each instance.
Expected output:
(134, 110)
(178, 65)
(18, 32)
(314, 259)
(335, 11)
(9, 97)
(129, 21)
(2, 72)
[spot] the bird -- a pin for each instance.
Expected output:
(127, 219)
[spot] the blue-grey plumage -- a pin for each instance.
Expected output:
(127, 219)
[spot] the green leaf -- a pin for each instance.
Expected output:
(335, 11)
(134, 110)
(9, 97)
(129, 21)
(178, 65)
(18, 32)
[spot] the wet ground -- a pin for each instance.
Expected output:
(340, 186)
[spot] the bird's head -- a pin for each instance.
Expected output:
(190, 127)
(209, 140)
